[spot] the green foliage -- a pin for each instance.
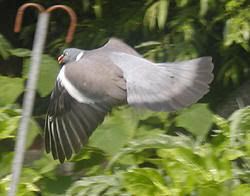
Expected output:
(10, 89)
(145, 181)
(20, 52)
(9, 121)
(97, 185)
(13, 87)
(173, 165)
(201, 123)
(156, 14)
(160, 164)
(4, 47)
(111, 136)
(149, 162)
(237, 29)
(48, 71)
(191, 152)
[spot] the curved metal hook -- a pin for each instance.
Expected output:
(73, 20)
(20, 11)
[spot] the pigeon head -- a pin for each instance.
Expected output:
(70, 55)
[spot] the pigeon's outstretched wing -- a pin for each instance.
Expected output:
(117, 45)
(164, 86)
(70, 123)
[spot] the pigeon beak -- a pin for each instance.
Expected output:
(60, 59)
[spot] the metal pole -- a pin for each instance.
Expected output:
(28, 102)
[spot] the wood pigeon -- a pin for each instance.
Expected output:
(91, 82)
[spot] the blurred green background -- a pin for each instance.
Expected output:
(202, 150)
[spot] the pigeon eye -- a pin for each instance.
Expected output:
(65, 53)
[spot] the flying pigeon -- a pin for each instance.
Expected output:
(91, 82)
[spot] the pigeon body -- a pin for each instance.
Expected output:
(91, 82)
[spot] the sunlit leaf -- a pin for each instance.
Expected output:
(203, 7)
(233, 5)
(147, 44)
(10, 89)
(181, 3)
(8, 127)
(20, 52)
(242, 189)
(152, 141)
(237, 30)
(96, 185)
(162, 13)
(42, 165)
(150, 16)
(239, 125)
(145, 181)
(232, 154)
(5, 160)
(98, 8)
(115, 132)
(49, 69)
(192, 120)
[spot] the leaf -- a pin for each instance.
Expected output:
(150, 16)
(48, 71)
(4, 47)
(34, 130)
(237, 30)
(203, 7)
(239, 126)
(241, 189)
(98, 8)
(56, 185)
(147, 44)
(197, 119)
(222, 124)
(162, 13)
(144, 182)
(85, 5)
(97, 185)
(9, 121)
(8, 127)
(5, 160)
(20, 52)
(233, 5)
(42, 165)
(24, 189)
(29, 175)
(181, 3)
(153, 141)
(10, 89)
(115, 132)
(232, 154)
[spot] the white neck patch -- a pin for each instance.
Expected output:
(71, 89)
(79, 56)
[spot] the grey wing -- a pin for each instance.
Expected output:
(69, 123)
(164, 86)
(117, 45)
(99, 79)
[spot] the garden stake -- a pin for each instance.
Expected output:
(29, 96)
